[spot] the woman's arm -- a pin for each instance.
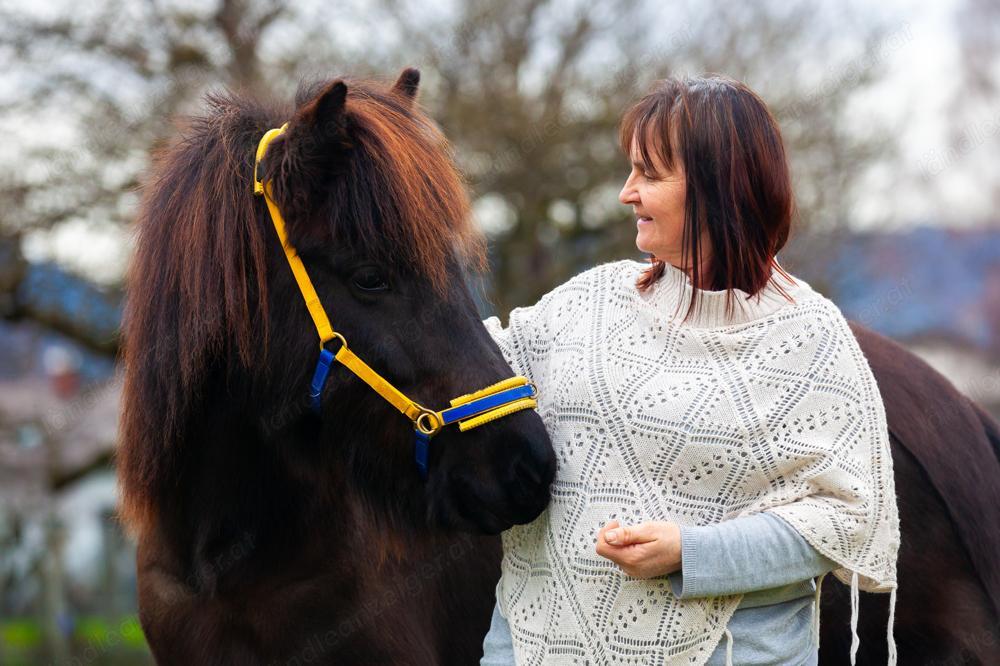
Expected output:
(743, 555)
(498, 647)
(758, 552)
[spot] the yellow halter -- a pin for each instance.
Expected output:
(500, 399)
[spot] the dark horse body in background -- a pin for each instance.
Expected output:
(946, 459)
(267, 536)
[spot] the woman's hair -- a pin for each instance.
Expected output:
(739, 185)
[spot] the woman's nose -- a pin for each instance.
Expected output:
(628, 195)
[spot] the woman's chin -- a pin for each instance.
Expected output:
(643, 242)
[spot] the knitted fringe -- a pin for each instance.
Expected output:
(819, 590)
(729, 647)
(892, 619)
(855, 641)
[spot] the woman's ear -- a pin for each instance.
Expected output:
(315, 147)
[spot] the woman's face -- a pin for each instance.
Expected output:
(657, 196)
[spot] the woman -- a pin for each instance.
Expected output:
(722, 442)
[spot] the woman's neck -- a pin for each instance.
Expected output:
(706, 273)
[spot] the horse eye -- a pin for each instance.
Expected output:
(369, 279)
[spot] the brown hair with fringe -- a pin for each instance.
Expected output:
(739, 184)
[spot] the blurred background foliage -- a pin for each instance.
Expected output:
(530, 93)
(92, 90)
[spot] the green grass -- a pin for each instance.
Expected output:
(99, 629)
(20, 633)
(114, 642)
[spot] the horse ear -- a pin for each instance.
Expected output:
(315, 147)
(317, 135)
(326, 112)
(407, 83)
(319, 129)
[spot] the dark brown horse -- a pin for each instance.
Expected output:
(267, 535)
(946, 458)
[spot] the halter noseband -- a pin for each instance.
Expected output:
(500, 399)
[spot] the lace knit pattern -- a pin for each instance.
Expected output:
(771, 408)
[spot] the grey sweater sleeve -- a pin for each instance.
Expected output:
(498, 646)
(758, 552)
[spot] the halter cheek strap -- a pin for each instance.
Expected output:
(469, 411)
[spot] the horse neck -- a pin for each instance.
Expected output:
(283, 486)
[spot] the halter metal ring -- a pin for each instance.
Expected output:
(336, 336)
(428, 422)
(533, 386)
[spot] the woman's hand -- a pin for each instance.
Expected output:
(644, 550)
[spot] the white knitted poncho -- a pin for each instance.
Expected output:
(774, 408)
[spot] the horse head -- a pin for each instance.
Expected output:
(376, 210)
(220, 347)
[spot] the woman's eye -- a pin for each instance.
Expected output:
(645, 175)
(370, 280)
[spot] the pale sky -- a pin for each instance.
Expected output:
(923, 78)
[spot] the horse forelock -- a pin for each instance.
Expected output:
(400, 197)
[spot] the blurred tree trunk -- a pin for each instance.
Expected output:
(53, 607)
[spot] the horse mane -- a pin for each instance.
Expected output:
(197, 284)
